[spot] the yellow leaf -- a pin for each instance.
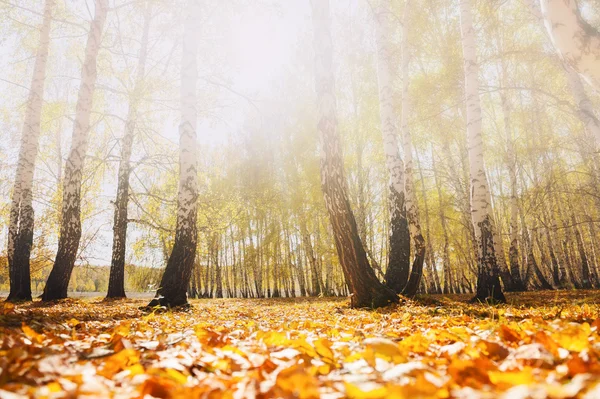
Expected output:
(301, 345)
(176, 376)
(416, 343)
(575, 337)
(135, 369)
(54, 387)
(273, 338)
(367, 391)
(119, 361)
(323, 347)
(7, 308)
(73, 322)
(31, 334)
(511, 378)
(384, 348)
(295, 381)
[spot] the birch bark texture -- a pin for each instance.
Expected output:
(412, 210)
(397, 273)
(365, 289)
(70, 229)
(488, 282)
(172, 291)
(116, 281)
(577, 42)
(585, 109)
(20, 230)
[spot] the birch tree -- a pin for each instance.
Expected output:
(173, 287)
(70, 229)
(20, 230)
(412, 211)
(397, 273)
(116, 282)
(488, 282)
(577, 42)
(366, 290)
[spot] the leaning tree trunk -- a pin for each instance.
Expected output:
(176, 278)
(365, 288)
(116, 281)
(488, 282)
(412, 211)
(397, 273)
(70, 228)
(20, 229)
(577, 42)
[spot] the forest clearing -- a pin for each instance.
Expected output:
(300, 199)
(435, 347)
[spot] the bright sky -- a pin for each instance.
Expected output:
(260, 42)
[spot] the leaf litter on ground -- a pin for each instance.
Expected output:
(543, 345)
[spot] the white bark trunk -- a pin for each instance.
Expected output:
(80, 138)
(188, 176)
(177, 275)
(575, 40)
(397, 273)
(585, 109)
(387, 114)
(488, 284)
(116, 279)
(21, 211)
(70, 229)
(480, 206)
(412, 210)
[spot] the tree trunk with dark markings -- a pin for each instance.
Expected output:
(366, 290)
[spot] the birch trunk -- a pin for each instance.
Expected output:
(449, 283)
(435, 286)
(116, 281)
(70, 229)
(397, 273)
(365, 288)
(412, 210)
(586, 275)
(20, 230)
(488, 282)
(172, 290)
(513, 251)
(577, 42)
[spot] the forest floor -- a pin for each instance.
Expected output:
(543, 344)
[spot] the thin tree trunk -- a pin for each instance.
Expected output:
(365, 288)
(448, 275)
(172, 290)
(488, 282)
(20, 230)
(436, 287)
(70, 228)
(397, 273)
(586, 276)
(513, 252)
(312, 261)
(412, 210)
(116, 281)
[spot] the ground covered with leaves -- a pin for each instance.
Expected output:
(544, 344)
